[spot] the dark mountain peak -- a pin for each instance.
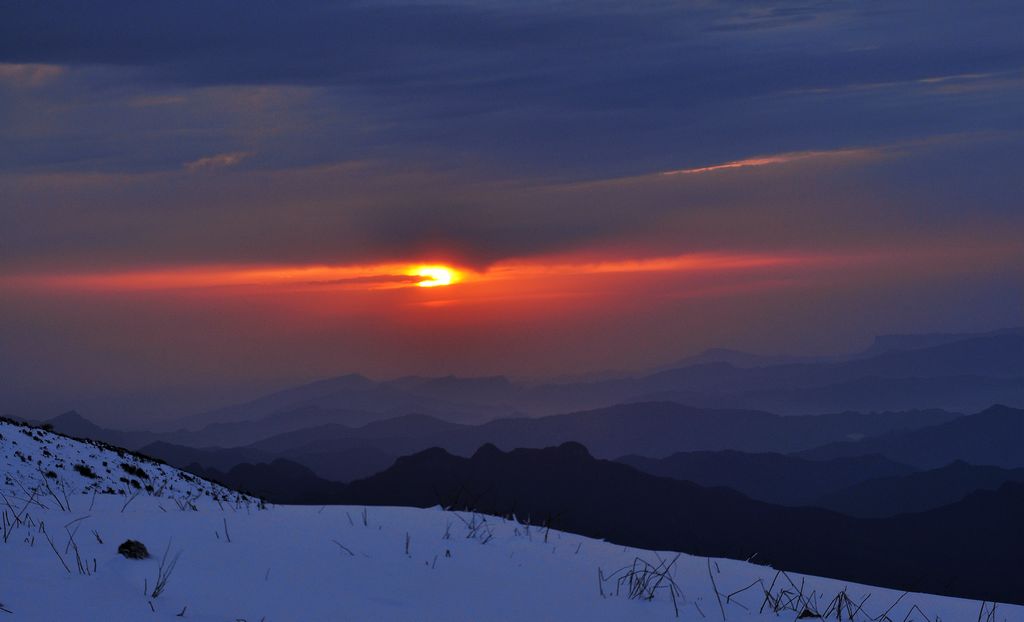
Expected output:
(71, 416)
(487, 450)
(572, 449)
(74, 424)
(1001, 410)
(569, 451)
(425, 457)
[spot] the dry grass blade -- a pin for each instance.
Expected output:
(163, 573)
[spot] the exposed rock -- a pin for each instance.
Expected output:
(133, 549)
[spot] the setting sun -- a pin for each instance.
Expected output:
(435, 276)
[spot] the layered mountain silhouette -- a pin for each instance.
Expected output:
(917, 492)
(991, 437)
(280, 481)
(917, 341)
(74, 424)
(940, 551)
(650, 429)
(957, 393)
(899, 372)
(951, 372)
(654, 429)
(968, 548)
(969, 375)
(774, 478)
(341, 465)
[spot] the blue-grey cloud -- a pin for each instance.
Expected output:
(573, 88)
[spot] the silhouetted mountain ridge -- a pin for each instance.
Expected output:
(970, 548)
(769, 477)
(281, 480)
(656, 429)
(991, 437)
(917, 492)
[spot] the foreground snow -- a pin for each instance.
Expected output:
(240, 562)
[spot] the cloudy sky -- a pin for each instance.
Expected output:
(204, 198)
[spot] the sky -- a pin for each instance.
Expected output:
(202, 200)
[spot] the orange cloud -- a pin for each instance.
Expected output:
(781, 158)
(359, 277)
(396, 275)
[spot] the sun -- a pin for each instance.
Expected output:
(435, 276)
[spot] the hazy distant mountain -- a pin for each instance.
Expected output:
(738, 358)
(917, 492)
(238, 433)
(953, 372)
(73, 424)
(342, 465)
(899, 372)
(958, 393)
(655, 430)
(477, 390)
(228, 434)
(886, 343)
(452, 398)
(996, 356)
(570, 490)
(774, 478)
(963, 374)
(401, 435)
(281, 400)
(991, 437)
(984, 369)
(218, 458)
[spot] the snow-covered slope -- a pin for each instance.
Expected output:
(236, 560)
(60, 470)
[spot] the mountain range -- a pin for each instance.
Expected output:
(898, 372)
(769, 477)
(939, 551)
(991, 437)
(656, 429)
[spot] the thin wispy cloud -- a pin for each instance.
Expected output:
(777, 159)
(29, 74)
(148, 101)
(769, 160)
(221, 160)
(929, 85)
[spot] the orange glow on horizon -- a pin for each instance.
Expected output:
(530, 274)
